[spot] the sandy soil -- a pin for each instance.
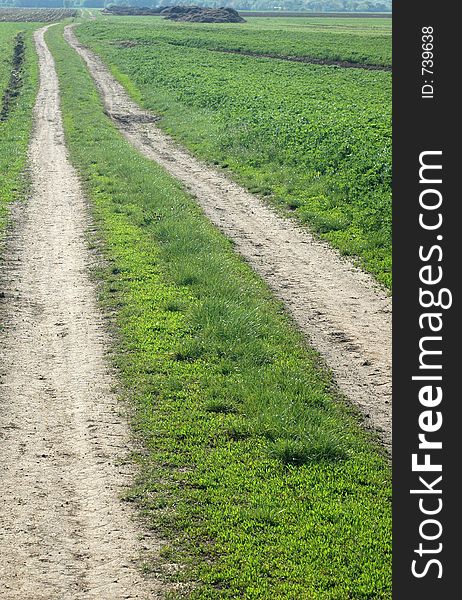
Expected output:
(65, 534)
(345, 314)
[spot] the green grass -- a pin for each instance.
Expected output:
(356, 40)
(259, 479)
(16, 129)
(314, 140)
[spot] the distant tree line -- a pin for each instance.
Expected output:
(283, 5)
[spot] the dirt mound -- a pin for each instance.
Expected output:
(198, 14)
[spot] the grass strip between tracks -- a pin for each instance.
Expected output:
(16, 126)
(258, 477)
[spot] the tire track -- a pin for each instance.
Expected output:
(64, 531)
(344, 313)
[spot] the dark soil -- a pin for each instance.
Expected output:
(307, 14)
(310, 59)
(197, 14)
(14, 85)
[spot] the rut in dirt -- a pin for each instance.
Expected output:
(64, 532)
(345, 314)
(310, 60)
(15, 82)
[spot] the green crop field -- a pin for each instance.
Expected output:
(314, 139)
(254, 471)
(355, 40)
(17, 94)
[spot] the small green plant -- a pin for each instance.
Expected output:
(303, 452)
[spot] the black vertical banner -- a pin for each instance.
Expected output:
(427, 243)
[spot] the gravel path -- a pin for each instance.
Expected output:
(64, 532)
(344, 313)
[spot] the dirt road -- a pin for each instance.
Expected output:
(64, 533)
(345, 314)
